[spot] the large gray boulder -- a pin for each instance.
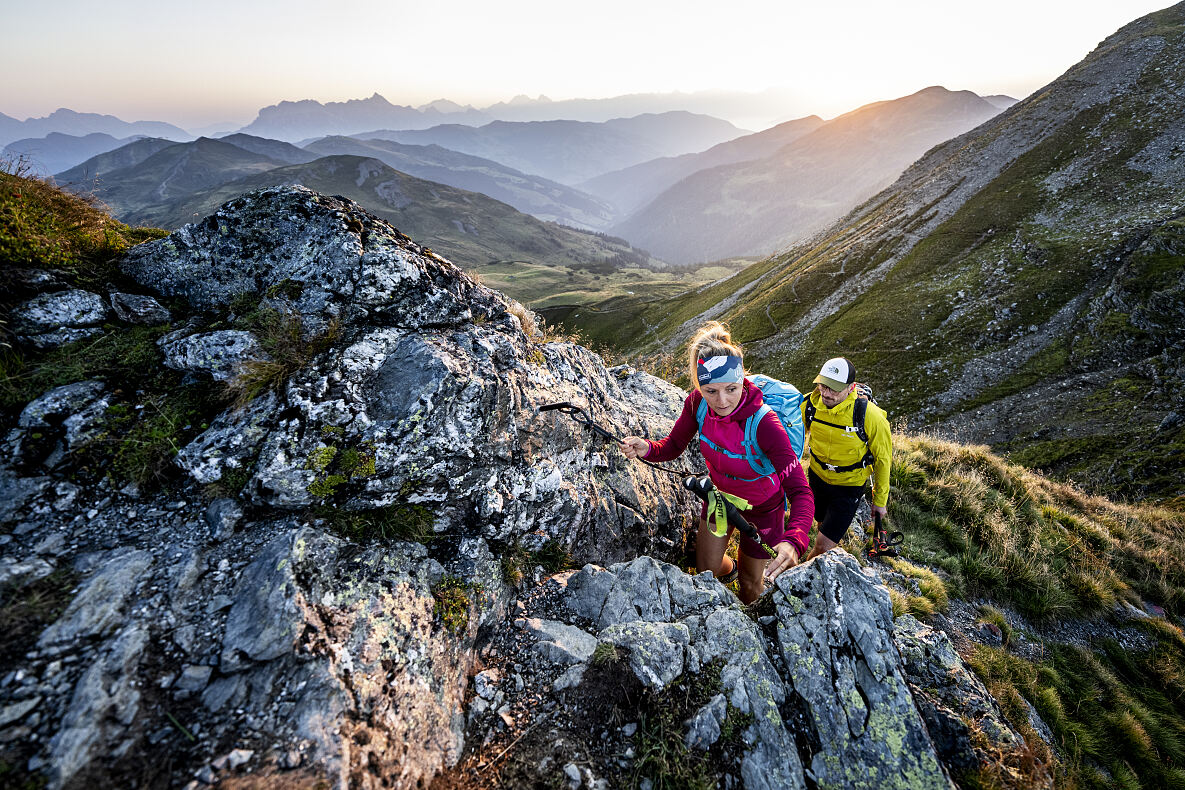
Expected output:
(323, 257)
(834, 634)
(826, 656)
(429, 396)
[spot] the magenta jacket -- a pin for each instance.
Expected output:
(763, 494)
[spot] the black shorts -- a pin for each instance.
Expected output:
(835, 506)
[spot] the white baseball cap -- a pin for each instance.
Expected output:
(836, 373)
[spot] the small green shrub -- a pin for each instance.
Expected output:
(335, 466)
(288, 288)
(990, 614)
(517, 561)
(281, 334)
(605, 653)
(26, 609)
(410, 522)
(554, 557)
(320, 459)
(454, 601)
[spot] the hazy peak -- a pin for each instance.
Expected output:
(522, 100)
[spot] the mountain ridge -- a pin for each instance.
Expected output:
(573, 151)
(633, 187)
(184, 181)
(760, 206)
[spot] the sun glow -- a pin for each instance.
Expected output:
(141, 59)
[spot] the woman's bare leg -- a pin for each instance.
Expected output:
(752, 577)
(709, 551)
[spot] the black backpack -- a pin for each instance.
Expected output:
(859, 409)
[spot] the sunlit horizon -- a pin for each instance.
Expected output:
(140, 61)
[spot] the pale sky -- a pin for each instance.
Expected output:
(195, 64)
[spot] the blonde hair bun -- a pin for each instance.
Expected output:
(711, 340)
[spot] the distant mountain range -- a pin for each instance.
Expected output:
(760, 206)
(575, 151)
(56, 151)
(524, 164)
(293, 121)
(69, 122)
(164, 184)
(634, 187)
(300, 120)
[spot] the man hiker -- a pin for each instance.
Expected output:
(848, 441)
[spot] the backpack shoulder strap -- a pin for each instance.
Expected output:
(701, 414)
(756, 457)
(808, 415)
(858, 411)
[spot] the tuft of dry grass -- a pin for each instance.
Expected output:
(526, 319)
(999, 530)
(282, 335)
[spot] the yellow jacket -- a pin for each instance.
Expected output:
(832, 445)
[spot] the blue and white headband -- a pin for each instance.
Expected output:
(720, 370)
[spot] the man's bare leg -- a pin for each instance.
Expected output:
(822, 544)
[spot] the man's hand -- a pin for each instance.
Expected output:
(787, 558)
(633, 447)
(883, 512)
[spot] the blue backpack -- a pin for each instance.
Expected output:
(783, 400)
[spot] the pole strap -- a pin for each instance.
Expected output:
(718, 510)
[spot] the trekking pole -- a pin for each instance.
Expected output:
(582, 417)
(884, 543)
(702, 487)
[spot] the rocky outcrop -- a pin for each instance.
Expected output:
(812, 694)
(434, 384)
(250, 625)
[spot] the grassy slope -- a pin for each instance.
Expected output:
(45, 229)
(42, 227)
(980, 529)
(547, 287)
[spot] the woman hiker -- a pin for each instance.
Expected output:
(715, 364)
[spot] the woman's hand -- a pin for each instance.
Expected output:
(634, 447)
(787, 558)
